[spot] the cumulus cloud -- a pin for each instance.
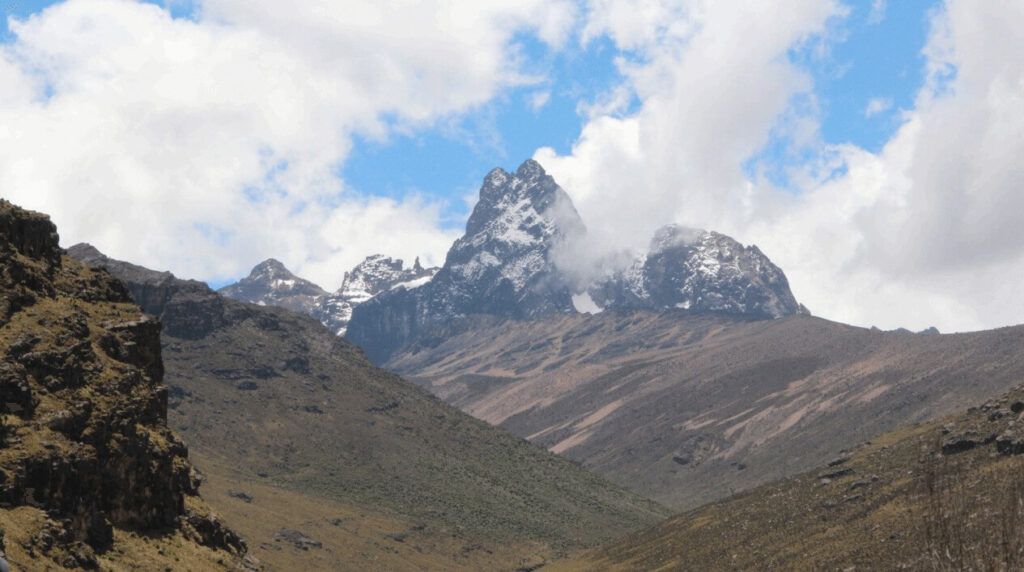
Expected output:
(714, 80)
(199, 145)
(925, 232)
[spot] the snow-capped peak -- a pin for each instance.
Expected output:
(699, 270)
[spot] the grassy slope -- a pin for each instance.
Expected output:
(900, 502)
(363, 436)
(270, 398)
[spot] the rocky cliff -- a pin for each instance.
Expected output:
(85, 450)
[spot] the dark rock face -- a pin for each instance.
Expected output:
(85, 436)
(501, 266)
(375, 274)
(699, 271)
(187, 308)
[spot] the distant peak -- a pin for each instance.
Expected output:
(270, 268)
(84, 250)
(497, 176)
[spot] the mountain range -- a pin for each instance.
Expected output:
(554, 399)
(516, 260)
(271, 284)
(695, 372)
(272, 401)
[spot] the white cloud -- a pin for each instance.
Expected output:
(878, 10)
(877, 105)
(926, 232)
(200, 145)
(713, 80)
(539, 99)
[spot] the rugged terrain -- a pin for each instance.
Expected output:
(699, 271)
(90, 474)
(271, 284)
(502, 266)
(688, 408)
(522, 257)
(945, 495)
(273, 401)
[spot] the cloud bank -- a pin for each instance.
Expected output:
(926, 232)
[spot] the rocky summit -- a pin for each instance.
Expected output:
(375, 274)
(507, 265)
(271, 284)
(699, 271)
(502, 265)
(85, 451)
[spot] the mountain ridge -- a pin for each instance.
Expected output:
(686, 408)
(271, 283)
(515, 261)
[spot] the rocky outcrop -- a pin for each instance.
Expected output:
(84, 435)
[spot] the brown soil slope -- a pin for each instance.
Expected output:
(270, 398)
(946, 495)
(688, 409)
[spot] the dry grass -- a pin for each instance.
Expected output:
(353, 537)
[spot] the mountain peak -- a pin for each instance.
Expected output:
(501, 266)
(530, 169)
(701, 271)
(269, 269)
(271, 283)
(377, 273)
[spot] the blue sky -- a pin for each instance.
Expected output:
(871, 55)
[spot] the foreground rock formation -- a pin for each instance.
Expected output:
(85, 451)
